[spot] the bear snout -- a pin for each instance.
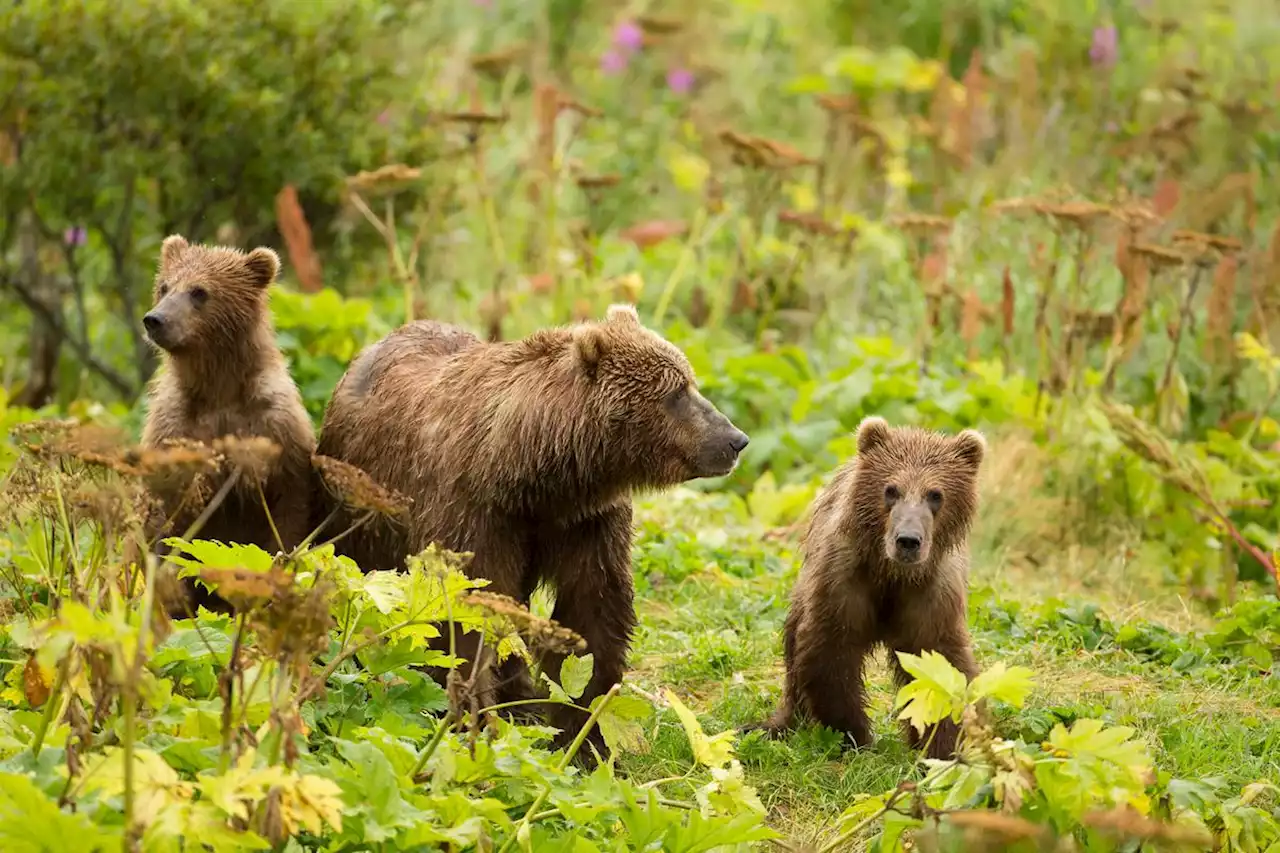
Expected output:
(159, 329)
(907, 542)
(720, 451)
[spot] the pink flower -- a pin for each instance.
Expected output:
(613, 62)
(75, 236)
(384, 117)
(680, 80)
(628, 37)
(1105, 48)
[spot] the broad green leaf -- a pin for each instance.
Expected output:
(156, 785)
(1008, 684)
(575, 674)
(620, 723)
(30, 822)
(238, 791)
(714, 751)
(217, 555)
(935, 692)
(385, 589)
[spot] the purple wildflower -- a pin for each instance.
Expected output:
(628, 37)
(613, 62)
(75, 236)
(680, 80)
(1105, 49)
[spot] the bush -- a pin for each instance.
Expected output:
(179, 117)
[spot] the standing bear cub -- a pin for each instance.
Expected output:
(886, 563)
(224, 375)
(526, 454)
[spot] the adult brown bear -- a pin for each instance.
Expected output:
(526, 454)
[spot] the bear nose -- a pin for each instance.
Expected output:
(908, 543)
(151, 321)
(739, 441)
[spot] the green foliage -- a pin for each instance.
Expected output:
(1070, 785)
(320, 334)
(180, 117)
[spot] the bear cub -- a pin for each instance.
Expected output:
(223, 374)
(886, 562)
(526, 453)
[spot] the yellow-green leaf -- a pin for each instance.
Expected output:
(575, 674)
(713, 751)
(1008, 684)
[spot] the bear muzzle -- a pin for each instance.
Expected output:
(910, 533)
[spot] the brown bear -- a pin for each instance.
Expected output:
(224, 375)
(526, 454)
(886, 563)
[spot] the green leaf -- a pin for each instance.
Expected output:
(620, 723)
(30, 822)
(1259, 654)
(1008, 684)
(714, 751)
(216, 555)
(575, 674)
(935, 693)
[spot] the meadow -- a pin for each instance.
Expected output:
(1056, 223)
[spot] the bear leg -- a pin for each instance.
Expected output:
(590, 565)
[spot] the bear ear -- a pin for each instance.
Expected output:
(872, 433)
(263, 265)
(622, 313)
(589, 345)
(172, 247)
(971, 446)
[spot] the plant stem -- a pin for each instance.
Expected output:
(445, 723)
(42, 727)
(564, 762)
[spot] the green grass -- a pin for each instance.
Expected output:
(713, 590)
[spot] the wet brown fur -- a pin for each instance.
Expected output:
(223, 374)
(526, 454)
(853, 596)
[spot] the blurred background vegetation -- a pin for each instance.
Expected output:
(993, 213)
(1055, 221)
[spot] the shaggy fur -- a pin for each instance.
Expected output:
(223, 374)
(886, 564)
(526, 454)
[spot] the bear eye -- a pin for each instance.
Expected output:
(163, 291)
(934, 497)
(891, 494)
(199, 295)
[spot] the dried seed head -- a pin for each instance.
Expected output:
(67, 440)
(497, 63)
(810, 222)
(657, 25)
(924, 223)
(597, 182)
(1159, 256)
(357, 489)
(387, 180)
(758, 152)
(1079, 214)
(545, 634)
(1198, 240)
(254, 456)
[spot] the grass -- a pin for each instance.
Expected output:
(713, 589)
